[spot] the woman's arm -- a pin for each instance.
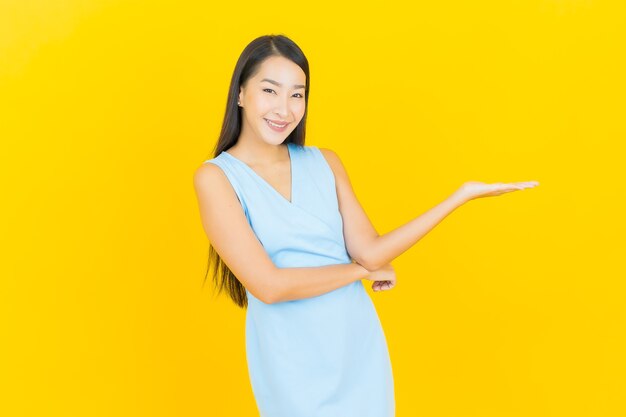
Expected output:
(232, 237)
(389, 246)
(304, 282)
(363, 243)
(370, 249)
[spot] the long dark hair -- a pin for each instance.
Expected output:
(247, 66)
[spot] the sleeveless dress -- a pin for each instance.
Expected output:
(322, 356)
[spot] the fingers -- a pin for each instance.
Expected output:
(514, 186)
(382, 285)
(524, 184)
(479, 190)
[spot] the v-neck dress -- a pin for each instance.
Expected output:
(322, 356)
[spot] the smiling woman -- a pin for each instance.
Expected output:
(294, 245)
(269, 206)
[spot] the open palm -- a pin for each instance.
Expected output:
(476, 189)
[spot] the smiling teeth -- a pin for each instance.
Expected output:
(274, 124)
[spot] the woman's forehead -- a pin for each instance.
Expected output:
(282, 72)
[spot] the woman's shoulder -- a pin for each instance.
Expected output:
(211, 170)
(331, 157)
(208, 171)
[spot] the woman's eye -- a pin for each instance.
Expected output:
(270, 90)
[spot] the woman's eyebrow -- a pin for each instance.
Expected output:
(279, 84)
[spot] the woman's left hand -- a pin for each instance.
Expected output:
(476, 189)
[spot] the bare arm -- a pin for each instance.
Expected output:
(297, 283)
(373, 251)
(383, 249)
(364, 244)
(232, 237)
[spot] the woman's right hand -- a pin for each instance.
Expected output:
(384, 278)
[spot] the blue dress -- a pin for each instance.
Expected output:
(322, 356)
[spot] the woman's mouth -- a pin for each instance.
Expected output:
(275, 126)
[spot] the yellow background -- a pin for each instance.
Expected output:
(512, 306)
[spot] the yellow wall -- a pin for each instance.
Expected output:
(513, 306)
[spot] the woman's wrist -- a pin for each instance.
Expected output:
(360, 271)
(458, 198)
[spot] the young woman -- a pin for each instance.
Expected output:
(292, 244)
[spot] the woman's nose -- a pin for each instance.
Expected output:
(282, 108)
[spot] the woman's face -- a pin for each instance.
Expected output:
(275, 93)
